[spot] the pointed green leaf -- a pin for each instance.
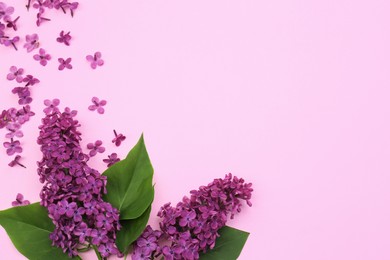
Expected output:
(131, 230)
(228, 246)
(129, 183)
(29, 228)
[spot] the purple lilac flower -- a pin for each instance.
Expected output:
(24, 95)
(112, 159)
(95, 60)
(40, 18)
(13, 147)
(10, 41)
(42, 57)
(13, 131)
(15, 161)
(20, 201)
(5, 11)
(23, 115)
(30, 80)
(95, 148)
(97, 105)
(64, 38)
(72, 190)
(15, 73)
(12, 23)
(192, 226)
(65, 63)
(118, 139)
(32, 42)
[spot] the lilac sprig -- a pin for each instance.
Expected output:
(192, 226)
(72, 190)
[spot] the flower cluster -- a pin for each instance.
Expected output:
(43, 5)
(6, 23)
(192, 226)
(72, 190)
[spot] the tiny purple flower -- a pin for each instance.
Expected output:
(66, 208)
(64, 38)
(13, 147)
(15, 73)
(14, 131)
(112, 159)
(95, 60)
(20, 201)
(42, 57)
(118, 139)
(15, 161)
(40, 18)
(10, 41)
(24, 95)
(51, 106)
(95, 148)
(65, 63)
(5, 11)
(30, 80)
(97, 105)
(12, 23)
(32, 42)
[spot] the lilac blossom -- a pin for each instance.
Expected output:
(95, 60)
(64, 38)
(13, 147)
(95, 148)
(32, 42)
(12, 23)
(118, 139)
(42, 57)
(65, 63)
(5, 11)
(112, 159)
(15, 73)
(10, 41)
(20, 201)
(24, 95)
(30, 80)
(13, 131)
(15, 162)
(97, 105)
(40, 17)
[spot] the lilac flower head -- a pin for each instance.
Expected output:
(15, 161)
(97, 105)
(118, 139)
(20, 201)
(5, 118)
(95, 148)
(65, 63)
(95, 60)
(13, 147)
(32, 42)
(64, 38)
(15, 73)
(42, 57)
(112, 159)
(40, 17)
(13, 131)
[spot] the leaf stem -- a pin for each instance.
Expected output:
(97, 252)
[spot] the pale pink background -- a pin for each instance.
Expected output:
(290, 95)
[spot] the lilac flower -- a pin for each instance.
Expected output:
(12, 23)
(30, 80)
(112, 159)
(5, 11)
(24, 95)
(108, 249)
(14, 131)
(10, 41)
(147, 244)
(40, 18)
(13, 147)
(42, 57)
(64, 38)
(82, 231)
(20, 201)
(64, 63)
(97, 105)
(72, 7)
(24, 114)
(15, 73)
(51, 106)
(95, 148)
(95, 60)
(118, 139)
(15, 161)
(32, 42)
(66, 208)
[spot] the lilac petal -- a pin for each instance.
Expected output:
(92, 107)
(100, 110)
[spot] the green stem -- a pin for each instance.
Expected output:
(97, 252)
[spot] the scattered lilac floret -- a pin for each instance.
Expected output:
(15, 73)
(12, 23)
(30, 80)
(95, 148)
(40, 18)
(42, 57)
(10, 41)
(15, 162)
(64, 38)
(118, 139)
(97, 105)
(95, 60)
(32, 42)
(112, 159)
(13, 147)
(20, 201)
(51, 106)
(65, 63)
(24, 95)
(13, 131)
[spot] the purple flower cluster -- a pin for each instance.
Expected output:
(72, 190)
(43, 5)
(6, 23)
(192, 226)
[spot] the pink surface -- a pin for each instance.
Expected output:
(290, 95)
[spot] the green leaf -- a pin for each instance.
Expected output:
(29, 228)
(131, 230)
(228, 246)
(129, 183)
